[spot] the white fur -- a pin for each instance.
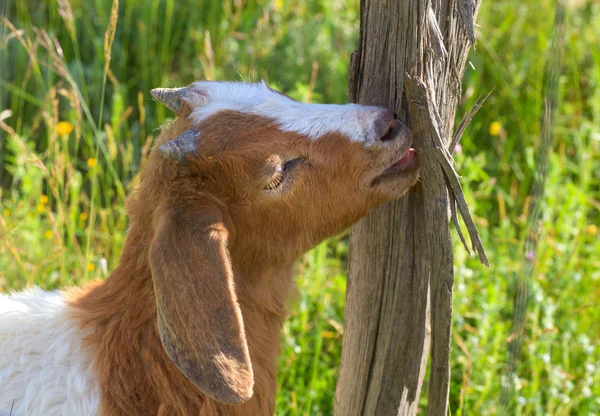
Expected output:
(312, 120)
(43, 370)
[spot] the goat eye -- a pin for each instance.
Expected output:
(289, 165)
(280, 173)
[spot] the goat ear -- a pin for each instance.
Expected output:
(199, 319)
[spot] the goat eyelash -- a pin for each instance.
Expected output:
(278, 178)
(275, 181)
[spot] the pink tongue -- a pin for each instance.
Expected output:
(406, 159)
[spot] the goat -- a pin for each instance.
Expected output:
(242, 183)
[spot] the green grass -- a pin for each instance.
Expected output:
(63, 221)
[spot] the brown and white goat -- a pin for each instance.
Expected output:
(243, 182)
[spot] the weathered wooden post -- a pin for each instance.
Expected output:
(411, 57)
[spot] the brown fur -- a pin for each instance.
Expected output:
(204, 238)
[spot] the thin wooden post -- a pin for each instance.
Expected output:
(410, 59)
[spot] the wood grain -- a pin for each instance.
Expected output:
(400, 273)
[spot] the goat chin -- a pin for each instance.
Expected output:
(243, 182)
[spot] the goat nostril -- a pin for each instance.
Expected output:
(391, 132)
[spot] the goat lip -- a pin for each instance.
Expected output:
(407, 161)
(406, 165)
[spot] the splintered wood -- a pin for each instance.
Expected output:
(411, 58)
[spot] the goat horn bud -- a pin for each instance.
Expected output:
(172, 98)
(178, 149)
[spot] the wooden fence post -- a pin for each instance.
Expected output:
(410, 59)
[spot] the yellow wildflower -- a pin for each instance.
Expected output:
(92, 162)
(40, 208)
(592, 229)
(495, 128)
(91, 267)
(83, 216)
(64, 128)
(278, 5)
(43, 199)
(6, 212)
(49, 234)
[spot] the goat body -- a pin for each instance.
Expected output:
(243, 182)
(42, 363)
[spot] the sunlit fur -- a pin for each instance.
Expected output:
(311, 120)
(43, 366)
(209, 254)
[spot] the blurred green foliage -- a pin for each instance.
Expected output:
(63, 221)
